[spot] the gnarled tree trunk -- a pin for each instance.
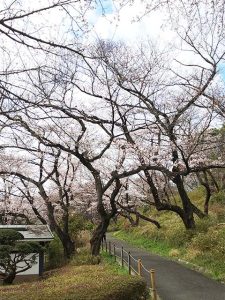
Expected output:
(9, 278)
(188, 216)
(68, 247)
(68, 244)
(98, 236)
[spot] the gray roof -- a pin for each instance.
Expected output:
(39, 233)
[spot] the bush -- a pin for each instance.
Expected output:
(10, 236)
(84, 239)
(55, 254)
(77, 224)
(15, 254)
(84, 258)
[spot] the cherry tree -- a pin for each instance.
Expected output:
(168, 92)
(45, 183)
(11, 204)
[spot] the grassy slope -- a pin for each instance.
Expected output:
(203, 248)
(87, 282)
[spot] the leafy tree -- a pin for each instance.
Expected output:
(16, 256)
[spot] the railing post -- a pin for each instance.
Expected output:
(129, 264)
(139, 266)
(110, 252)
(122, 261)
(114, 251)
(152, 279)
(106, 248)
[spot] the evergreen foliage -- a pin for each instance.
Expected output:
(16, 255)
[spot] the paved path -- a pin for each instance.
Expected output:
(173, 280)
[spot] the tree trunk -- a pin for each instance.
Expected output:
(133, 222)
(67, 243)
(214, 181)
(9, 278)
(198, 212)
(162, 206)
(207, 198)
(206, 185)
(98, 236)
(68, 247)
(188, 217)
(126, 215)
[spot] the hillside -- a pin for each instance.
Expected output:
(202, 249)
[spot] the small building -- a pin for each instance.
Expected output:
(33, 233)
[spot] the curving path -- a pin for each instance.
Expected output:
(173, 280)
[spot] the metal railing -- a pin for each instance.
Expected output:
(126, 259)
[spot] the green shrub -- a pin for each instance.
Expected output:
(78, 223)
(9, 236)
(89, 226)
(12, 244)
(55, 254)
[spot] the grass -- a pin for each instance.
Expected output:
(85, 282)
(110, 261)
(158, 247)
